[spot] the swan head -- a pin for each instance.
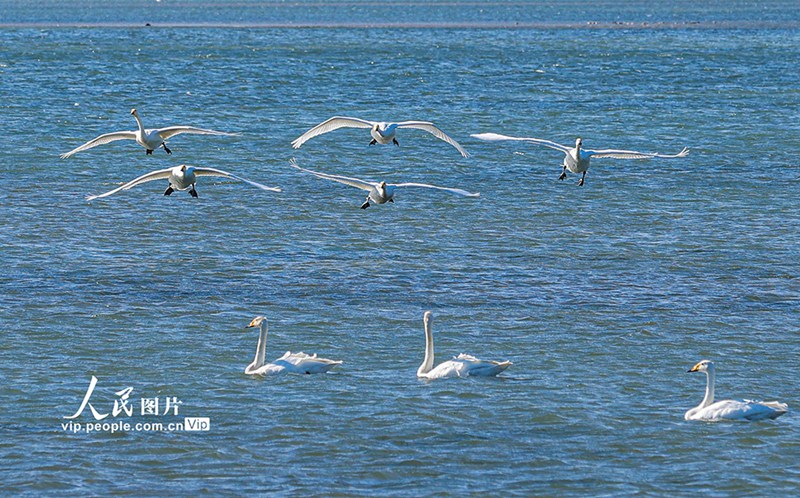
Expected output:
(427, 317)
(382, 185)
(578, 143)
(133, 112)
(257, 321)
(703, 366)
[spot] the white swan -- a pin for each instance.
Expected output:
(382, 133)
(730, 409)
(180, 178)
(577, 158)
(149, 139)
(462, 365)
(380, 192)
(288, 363)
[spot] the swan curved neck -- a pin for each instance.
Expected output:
(138, 122)
(709, 397)
(261, 349)
(427, 362)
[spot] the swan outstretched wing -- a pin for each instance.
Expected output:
(331, 124)
(102, 139)
(218, 172)
(546, 143)
(433, 130)
(354, 182)
(449, 189)
(632, 154)
(171, 131)
(149, 177)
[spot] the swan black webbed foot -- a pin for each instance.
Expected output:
(164, 144)
(169, 190)
(149, 152)
(580, 182)
(193, 192)
(394, 141)
(373, 142)
(365, 205)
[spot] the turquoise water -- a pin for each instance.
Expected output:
(602, 296)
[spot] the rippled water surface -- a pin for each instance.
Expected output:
(602, 296)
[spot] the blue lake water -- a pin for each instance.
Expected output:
(602, 296)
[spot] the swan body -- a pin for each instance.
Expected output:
(463, 365)
(730, 409)
(180, 178)
(300, 363)
(149, 139)
(380, 192)
(382, 133)
(577, 159)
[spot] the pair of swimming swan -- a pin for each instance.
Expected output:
(730, 409)
(462, 365)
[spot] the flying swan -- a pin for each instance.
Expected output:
(462, 365)
(180, 178)
(730, 409)
(288, 363)
(380, 192)
(577, 158)
(149, 139)
(382, 133)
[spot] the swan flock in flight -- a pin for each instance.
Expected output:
(576, 160)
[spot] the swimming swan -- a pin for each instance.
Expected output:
(380, 192)
(730, 409)
(288, 363)
(180, 178)
(149, 139)
(577, 159)
(462, 365)
(382, 133)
